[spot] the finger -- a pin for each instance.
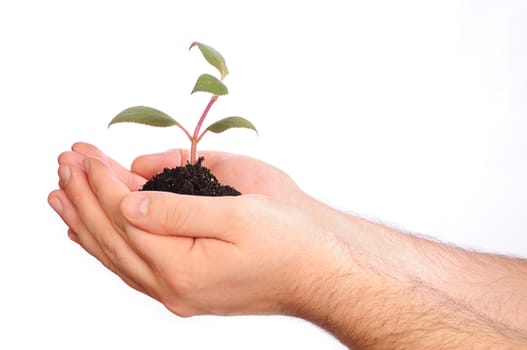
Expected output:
(182, 215)
(109, 192)
(128, 265)
(62, 205)
(74, 236)
(160, 253)
(88, 150)
(79, 151)
(70, 157)
(151, 164)
(108, 189)
(78, 233)
(131, 180)
(156, 252)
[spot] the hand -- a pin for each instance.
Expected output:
(252, 254)
(248, 175)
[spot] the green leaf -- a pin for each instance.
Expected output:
(229, 123)
(144, 115)
(209, 83)
(213, 57)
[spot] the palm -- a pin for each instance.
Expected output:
(248, 175)
(251, 176)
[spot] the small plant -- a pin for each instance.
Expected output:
(205, 83)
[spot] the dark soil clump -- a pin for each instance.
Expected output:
(189, 179)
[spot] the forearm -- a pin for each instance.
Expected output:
(371, 309)
(438, 286)
(494, 286)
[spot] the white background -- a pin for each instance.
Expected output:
(408, 112)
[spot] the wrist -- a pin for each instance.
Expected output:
(324, 283)
(367, 293)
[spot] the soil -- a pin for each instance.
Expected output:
(189, 179)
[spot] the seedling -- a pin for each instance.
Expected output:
(205, 83)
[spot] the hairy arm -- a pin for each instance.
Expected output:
(400, 291)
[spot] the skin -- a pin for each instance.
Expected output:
(276, 250)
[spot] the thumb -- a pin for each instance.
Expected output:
(149, 165)
(166, 213)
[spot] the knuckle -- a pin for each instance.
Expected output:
(120, 223)
(108, 248)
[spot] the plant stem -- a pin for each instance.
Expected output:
(201, 136)
(195, 138)
(185, 131)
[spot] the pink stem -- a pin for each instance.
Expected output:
(202, 134)
(196, 138)
(185, 131)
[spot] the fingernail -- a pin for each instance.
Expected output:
(64, 174)
(55, 204)
(135, 205)
(73, 236)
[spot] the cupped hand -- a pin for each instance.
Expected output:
(246, 174)
(196, 255)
